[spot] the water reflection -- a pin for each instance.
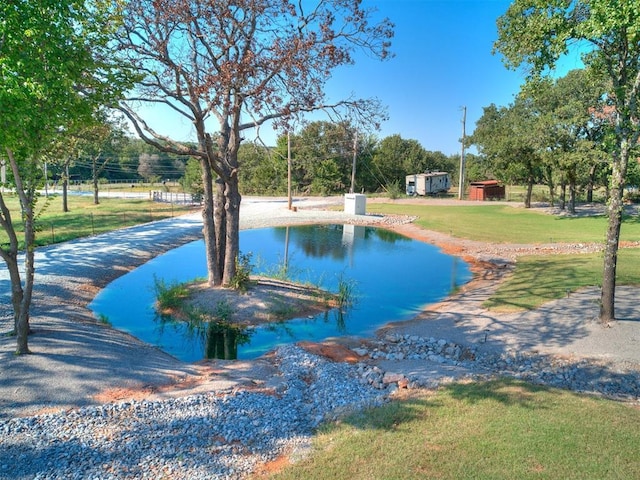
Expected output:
(222, 340)
(321, 241)
(392, 278)
(218, 338)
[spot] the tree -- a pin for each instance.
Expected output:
(191, 181)
(149, 166)
(504, 136)
(537, 33)
(264, 170)
(567, 133)
(322, 157)
(241, 64)
(395, 157)
(53, 71)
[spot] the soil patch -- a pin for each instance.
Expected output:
(265, 300)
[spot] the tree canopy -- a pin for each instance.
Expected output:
(233, 65)
(536, 33)
(54, 70)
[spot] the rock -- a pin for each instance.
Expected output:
(390, 377)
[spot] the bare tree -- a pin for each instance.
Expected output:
(239, 64)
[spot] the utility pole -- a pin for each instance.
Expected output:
(353, 166)
(289, 168)
(462, 141)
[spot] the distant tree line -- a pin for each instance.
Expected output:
(322, 156)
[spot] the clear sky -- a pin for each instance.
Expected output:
(443, 62)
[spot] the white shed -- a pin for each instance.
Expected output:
(428, 183)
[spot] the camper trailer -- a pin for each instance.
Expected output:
(428, 183)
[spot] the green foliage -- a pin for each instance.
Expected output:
(481, 430)
(169, 296)
(395, 189)
(264, 171)
(191, 181)
(394, 158)
(242, 279)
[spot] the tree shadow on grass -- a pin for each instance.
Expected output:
(506, 391)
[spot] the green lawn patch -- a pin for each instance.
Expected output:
(506, 224)
(86, 219)
(490, 430)
(539, 279)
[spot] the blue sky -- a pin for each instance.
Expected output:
(443, 62)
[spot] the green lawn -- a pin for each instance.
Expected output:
(537, 279)
(491, 430)
(507, 224)
(86, 219)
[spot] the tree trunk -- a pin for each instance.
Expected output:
(96, 200)
(592, 181)
(65, 188)
(527, 198)
(221, 228)
(619, 168)
(22, 327)
(209, 224)
(22, 297)
(551, 185)
(572, 192)
(232, 209)
(17, 293)
(563, 195)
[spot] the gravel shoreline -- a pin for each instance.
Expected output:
(229, 432)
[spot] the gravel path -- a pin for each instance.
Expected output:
(222, 431)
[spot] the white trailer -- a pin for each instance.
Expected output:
(428, 183)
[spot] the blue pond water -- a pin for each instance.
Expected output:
(392, 277)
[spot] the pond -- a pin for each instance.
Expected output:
(391, 278)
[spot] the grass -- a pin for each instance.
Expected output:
(536, 279)
(86, 219)
(506, 224)
(489, 430)
(539, 279)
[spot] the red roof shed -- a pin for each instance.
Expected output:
(486, 190)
